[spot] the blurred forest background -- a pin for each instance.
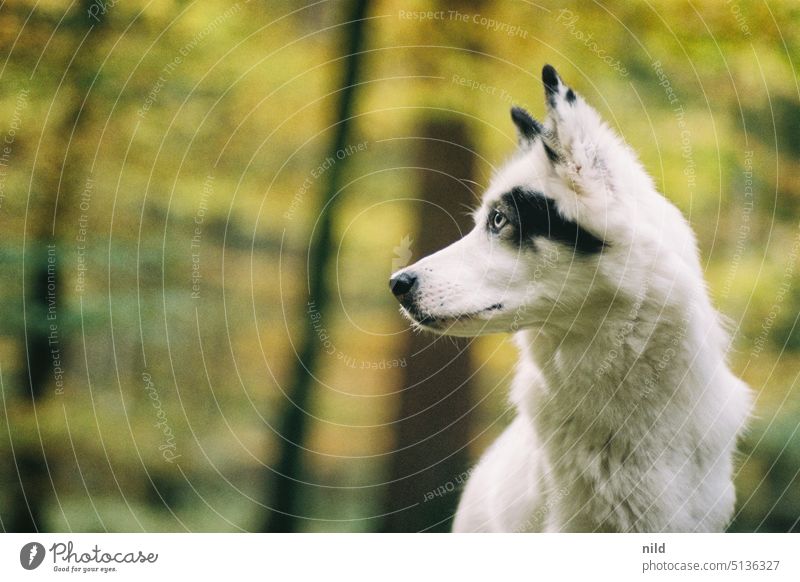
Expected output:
(169, 170)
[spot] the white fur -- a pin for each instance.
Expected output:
(628, 414)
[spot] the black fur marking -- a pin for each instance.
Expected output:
(551, 83)
(551, 154)
(532, 214)
(528, 128)
(570, 96)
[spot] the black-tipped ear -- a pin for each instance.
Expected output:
(528, 128)
(550, 78)
(551, 82)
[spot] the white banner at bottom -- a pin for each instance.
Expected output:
(400, 557)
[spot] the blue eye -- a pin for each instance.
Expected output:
(497, 220)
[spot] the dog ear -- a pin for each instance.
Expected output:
(575, 138)
(528, 129)
(554, 88)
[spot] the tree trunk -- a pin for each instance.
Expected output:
(286, 493)
(430, 459)
(45, 303)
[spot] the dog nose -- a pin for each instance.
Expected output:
(402, 283)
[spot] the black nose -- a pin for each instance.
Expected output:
(402, 283)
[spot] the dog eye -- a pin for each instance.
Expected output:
(497, 220)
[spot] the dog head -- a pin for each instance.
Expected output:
(571, 205)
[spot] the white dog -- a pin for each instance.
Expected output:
(628, 414)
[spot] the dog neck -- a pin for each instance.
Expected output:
(609, 400)
(619, 365)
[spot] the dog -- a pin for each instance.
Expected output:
(627, 412)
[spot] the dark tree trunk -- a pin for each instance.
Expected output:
(428, 466)
(286, 492)
(42, 267)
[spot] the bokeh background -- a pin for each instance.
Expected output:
(201, 202)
